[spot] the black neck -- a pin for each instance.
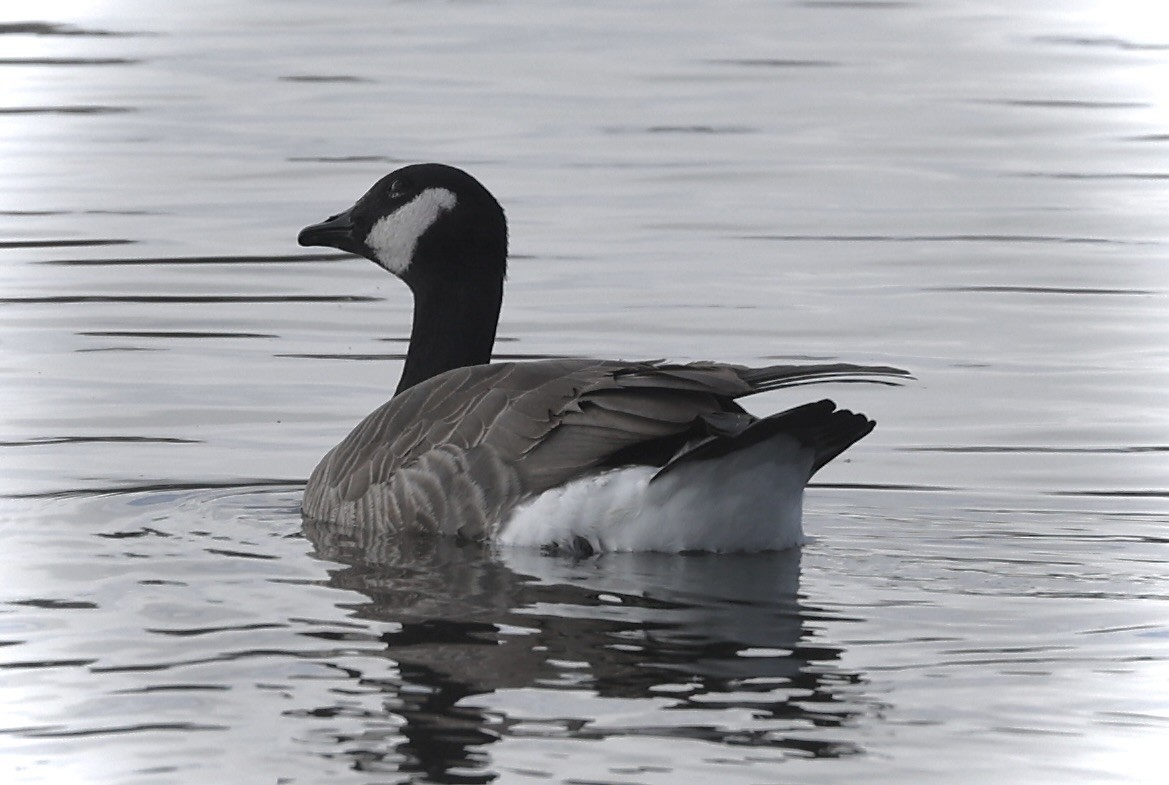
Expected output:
(454, 326)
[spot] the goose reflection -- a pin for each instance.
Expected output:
(467, 624)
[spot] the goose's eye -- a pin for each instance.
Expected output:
(398, 188)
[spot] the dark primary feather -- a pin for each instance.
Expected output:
(821, 426)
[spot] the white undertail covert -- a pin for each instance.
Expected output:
(749, 500)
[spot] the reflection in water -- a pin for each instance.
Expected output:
(722, 636)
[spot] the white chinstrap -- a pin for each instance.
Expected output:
(394, 237)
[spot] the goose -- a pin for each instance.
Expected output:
(574, 455)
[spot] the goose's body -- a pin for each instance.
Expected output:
(578, 454)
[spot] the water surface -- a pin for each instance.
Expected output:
(972, 191)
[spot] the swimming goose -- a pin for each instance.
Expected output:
(577, 455)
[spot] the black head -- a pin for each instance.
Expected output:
(425, 223)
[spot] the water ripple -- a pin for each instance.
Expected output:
(72, 109)
(1106, 42)
(200, 260)
(497, 356)
(339, 79)
(51, 440)
(1155, 493)
(1153, 176)
(1043, 450)
(861, 486)
(772, 62)
(681, 129)
(946, 238)
(167, 334)
(159, 487)
(7, 244)
(51, 29)
(1067, 103)
(74, 299)
(68, 61)
(344, 159)
(114, 730)
(1073, 290)
(857, 5)
(40, 664)
(53, 604)
(190, 632)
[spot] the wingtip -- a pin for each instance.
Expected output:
(774, 377)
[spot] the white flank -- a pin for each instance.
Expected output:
(393, 238)
(749, 500)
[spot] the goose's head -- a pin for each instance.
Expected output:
(426, 223)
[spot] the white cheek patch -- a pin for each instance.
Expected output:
(393, 238)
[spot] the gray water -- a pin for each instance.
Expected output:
(975, 191)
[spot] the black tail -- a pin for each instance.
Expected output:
(828, 431)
